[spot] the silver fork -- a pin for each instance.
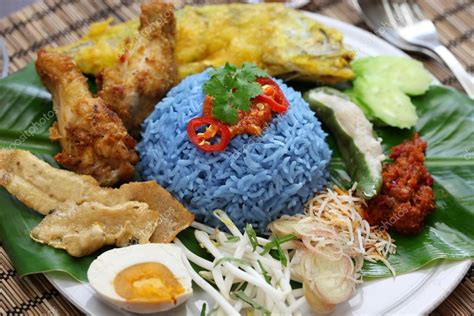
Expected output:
(411, 25)
(4, 59)
(376, 17)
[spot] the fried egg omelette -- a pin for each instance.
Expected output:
(283, 41)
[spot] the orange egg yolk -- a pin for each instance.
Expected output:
(148, 282)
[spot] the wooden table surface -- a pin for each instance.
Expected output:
(58, 22)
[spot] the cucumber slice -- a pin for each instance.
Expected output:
(360, 149)
(404, 73)
(386, 103)
(355, 98)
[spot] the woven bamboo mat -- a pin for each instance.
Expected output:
(56, 22)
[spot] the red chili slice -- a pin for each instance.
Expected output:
(276, 107)
(207, 106)
(272, 95)
(203, 140)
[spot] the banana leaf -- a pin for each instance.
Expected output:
(446, 122)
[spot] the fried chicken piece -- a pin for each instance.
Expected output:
(44, 188)
(84, 229)
(92, 137)
(147, 69)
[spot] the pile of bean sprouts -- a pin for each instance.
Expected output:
(245, 279)
(326, 250)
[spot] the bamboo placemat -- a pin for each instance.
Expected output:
(56, 22)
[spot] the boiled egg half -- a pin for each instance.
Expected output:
(144, 279)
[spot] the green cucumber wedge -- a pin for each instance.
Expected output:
(360, 149)
(386, 104)
(383, 85)
(404, 73)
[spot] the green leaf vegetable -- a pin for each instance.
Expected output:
(232, 89)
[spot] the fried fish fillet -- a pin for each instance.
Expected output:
(85, 228)
(92, 137)
(45, 188)
(146, 70)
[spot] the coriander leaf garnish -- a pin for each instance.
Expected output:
(225, 113)
(250, 71)
(246, 91)
(232, 89)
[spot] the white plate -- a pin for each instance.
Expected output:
(410, 294)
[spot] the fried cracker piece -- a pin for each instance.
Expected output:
(39, 185)
(45, 188)
(174, 216)
(83, 229)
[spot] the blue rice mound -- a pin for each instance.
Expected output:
(255, 180)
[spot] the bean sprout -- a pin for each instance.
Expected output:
(333, 240)
(274, 293)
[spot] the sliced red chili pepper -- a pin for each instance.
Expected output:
(207, 106)
(276, 107)
(273, 95)
(213, 127)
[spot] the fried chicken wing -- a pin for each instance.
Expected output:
(45, 188)
(146, 70)
(92, 137)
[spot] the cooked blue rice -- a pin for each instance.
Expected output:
(255, 180)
